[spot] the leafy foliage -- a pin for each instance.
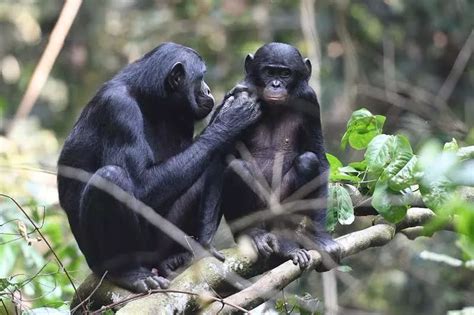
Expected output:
(391, 173)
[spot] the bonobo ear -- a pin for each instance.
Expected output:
(308, 65)
(248, 62)
(176, 75)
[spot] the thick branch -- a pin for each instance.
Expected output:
(208, 276)
(353, 243)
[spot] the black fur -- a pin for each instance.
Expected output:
(291, 126)
(137, 132)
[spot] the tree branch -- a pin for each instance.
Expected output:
(209, 277)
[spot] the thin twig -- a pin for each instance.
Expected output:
(46, 242)
(51, 52)
(456, 71)
(91, 294)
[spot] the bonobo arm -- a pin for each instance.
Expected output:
(126, 146)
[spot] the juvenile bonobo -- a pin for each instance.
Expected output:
(137, 133)
(290, 126)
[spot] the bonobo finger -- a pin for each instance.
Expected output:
(308, 257)
(163, 282)
(300, 259)
(304, 260)
(218, 255)
(263, 248)
(294, 258)
(239, 88)
(227, 103)
(152, 283)
(273, 241)
(140, 286)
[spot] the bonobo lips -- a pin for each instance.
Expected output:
(275, 97)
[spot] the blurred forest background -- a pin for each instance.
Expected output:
(408, 60)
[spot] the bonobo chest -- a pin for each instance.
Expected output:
(276, 132)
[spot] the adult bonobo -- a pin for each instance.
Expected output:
(137, 133)
(288, 133)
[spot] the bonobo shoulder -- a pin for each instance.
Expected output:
(116, 99)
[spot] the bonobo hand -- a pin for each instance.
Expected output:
(237, 113)
(239, 88)
(266, 243)
(300, 256)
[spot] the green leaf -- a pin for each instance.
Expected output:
(384, 149)
(451, 146)
(466, 153)
(400, 173)
(362, 127)
(379, 152)
(344, 177)
(4, 283)
(340, 207)
(335, 173)
(435, 193)
(360, 166)
(391, 205)
(334, 162)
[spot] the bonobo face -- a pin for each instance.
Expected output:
(276, 70)
(204, 101)
(186, 83)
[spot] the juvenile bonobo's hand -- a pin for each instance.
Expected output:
(237, 113)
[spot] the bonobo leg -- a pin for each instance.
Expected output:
(322, 241)
(308, 166)
(205, 191)
(210, 213)
(119, 252)
(242, 191)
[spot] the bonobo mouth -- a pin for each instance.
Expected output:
(203, 109)
(275, 97)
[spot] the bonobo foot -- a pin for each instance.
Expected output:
(299, 256)
(330, 253)
(169, 266)
(214, 252)
(139, 280)
(266, 243)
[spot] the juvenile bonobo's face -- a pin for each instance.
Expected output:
(276, 70)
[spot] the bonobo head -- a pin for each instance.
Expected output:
(174, 74)
(276, 70)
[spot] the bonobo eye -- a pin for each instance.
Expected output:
(271, 71)
(285, 73)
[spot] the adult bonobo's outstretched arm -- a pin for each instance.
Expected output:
(137, 133)
(166, 180)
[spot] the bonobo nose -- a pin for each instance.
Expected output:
(276, 84)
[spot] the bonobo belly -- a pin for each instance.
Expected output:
(242, 197)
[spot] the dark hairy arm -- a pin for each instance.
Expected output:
(157, 183)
